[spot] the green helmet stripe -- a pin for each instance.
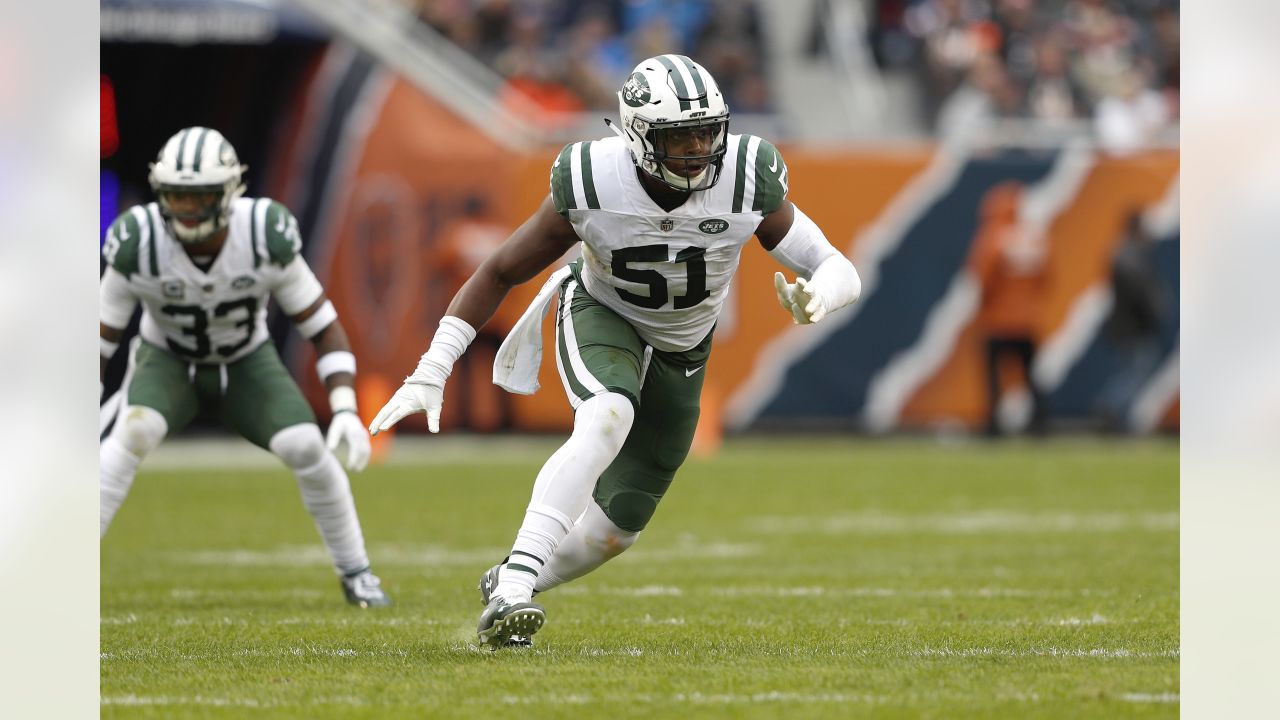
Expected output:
(682, 90)
(698, 85)
(182, 146)
(740, 173)
(200, 147)
(588, 182)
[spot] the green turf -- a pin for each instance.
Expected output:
(781, 579)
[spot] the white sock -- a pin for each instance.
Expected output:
(326, 493)
(563, 488)
(593, 541)
(116, 470)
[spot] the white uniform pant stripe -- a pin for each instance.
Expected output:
(576, 367)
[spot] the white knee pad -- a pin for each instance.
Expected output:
(600, 532)
(140, 429)
(299, 446)
(605, 419)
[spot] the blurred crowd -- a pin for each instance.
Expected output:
(1114, 62)
(573, 55)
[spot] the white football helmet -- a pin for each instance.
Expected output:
(667, 92)
(197, 160)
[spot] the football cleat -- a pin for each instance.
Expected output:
(489, 581)
(502, 623)
(364, 589)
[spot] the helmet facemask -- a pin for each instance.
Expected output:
(196, 164)
(672, 156)
(211, 213)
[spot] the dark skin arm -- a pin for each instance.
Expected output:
(540, 241)
(775, 225)
(110, 334)
(330, 339)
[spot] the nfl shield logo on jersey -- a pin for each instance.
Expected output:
(667, 224)
(172, 289)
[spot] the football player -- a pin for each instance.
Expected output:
(202, 260)
(662, 211)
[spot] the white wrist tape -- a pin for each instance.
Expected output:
(804, 247)
(838, 281)
(335, 362)
(106, 348)
(451, 340)
(342, 399)
(322, 318)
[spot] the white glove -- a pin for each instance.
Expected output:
(346, 428)
(414, 396)
(803, 299)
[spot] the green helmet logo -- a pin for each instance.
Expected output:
(635, 92)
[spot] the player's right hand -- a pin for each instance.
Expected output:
(412, 397)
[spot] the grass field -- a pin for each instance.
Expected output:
(781, 579)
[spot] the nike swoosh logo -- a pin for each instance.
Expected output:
(689, 373)
(774, 166)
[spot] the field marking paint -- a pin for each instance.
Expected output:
(126, 620)
(1044, 652)
(441, 556)
(698, 698)
(817, 591)
(651, 620)
(642, 591)
(1150, 697)
(144, 700)
(971, 523)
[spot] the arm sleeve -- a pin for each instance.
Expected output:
(116, 300)
(297, 287)
(804, 247)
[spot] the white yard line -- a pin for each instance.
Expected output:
(1150, 697)
(963, 523)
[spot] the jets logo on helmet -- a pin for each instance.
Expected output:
(196, 179)
(674, 121)
(635, 92)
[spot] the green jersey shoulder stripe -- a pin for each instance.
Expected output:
(120, 249)
(771, 178)
(284, 242)
(588, 178)
(152, 237)
(562, 181)
(257, 218)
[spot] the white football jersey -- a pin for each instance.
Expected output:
(666, 273)
(219, 315)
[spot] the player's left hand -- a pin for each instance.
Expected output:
(346, 429)
(805, 300)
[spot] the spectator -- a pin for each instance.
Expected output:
(1133, 327)
(1009, 263)
(1132, 117)
(971, 112)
